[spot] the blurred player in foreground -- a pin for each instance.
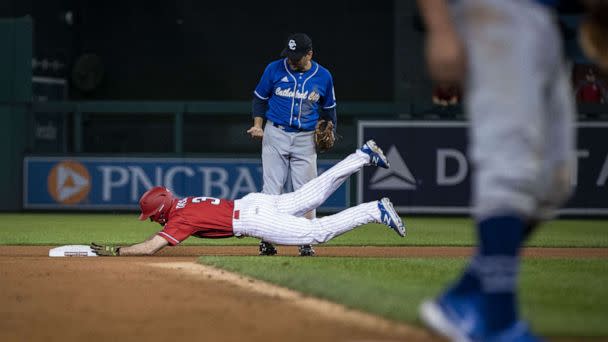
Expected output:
(508, 55)
(274, 218)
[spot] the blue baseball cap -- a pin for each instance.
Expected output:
(297, 45)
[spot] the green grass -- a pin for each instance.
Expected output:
(573, 297)
(58, 229)
(572, 300)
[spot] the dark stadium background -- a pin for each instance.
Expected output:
(114, 78)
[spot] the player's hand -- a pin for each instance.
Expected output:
(445, 56)
(105, 250)
(593, 32)
(256, 132)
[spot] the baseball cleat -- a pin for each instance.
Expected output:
(448, 321)
(389, 216)
(376, 156)
(266, 248)
(306, 250)
(459, 319)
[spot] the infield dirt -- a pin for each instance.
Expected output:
(112, 299)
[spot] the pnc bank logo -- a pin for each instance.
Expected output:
(69, 182)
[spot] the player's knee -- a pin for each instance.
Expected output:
(317, 233)
(557, 191)
(530, 194)
(562, 179)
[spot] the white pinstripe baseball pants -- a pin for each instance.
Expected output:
(275, 218)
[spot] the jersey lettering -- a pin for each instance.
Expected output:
(314, 96)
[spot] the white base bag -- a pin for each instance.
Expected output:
(72, 251)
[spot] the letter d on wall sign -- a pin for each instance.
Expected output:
(462, 170)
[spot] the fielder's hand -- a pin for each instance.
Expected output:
(105, 250)
(256, 132)
(593, 32)
(445, 57)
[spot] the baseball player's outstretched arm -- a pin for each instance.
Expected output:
(148, 247)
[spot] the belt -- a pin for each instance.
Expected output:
(288, 128)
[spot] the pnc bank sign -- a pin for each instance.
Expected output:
(214, 181)
(118, 183)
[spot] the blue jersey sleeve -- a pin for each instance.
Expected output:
(329, 100)
(264, 88)
(259, 107)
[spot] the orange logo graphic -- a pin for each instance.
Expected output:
(69, 182)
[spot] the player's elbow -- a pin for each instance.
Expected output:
(154, 245)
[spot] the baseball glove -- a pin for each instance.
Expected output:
(105, 250)
(593, 33)
(324, 135)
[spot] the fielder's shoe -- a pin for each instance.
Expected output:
(376, 156)
(306, 250)
(457, 319)
(266, 248)
(389, 216)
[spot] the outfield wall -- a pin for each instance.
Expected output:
(429, 174)
(15, 91)
(430, 169)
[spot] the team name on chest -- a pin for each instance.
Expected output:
(313, 96)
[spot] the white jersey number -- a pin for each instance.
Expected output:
(214, 201)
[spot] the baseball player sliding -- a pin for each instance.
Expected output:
(274, 218)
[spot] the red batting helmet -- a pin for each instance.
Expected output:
(156, 203)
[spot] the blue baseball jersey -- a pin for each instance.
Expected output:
(294, 97)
